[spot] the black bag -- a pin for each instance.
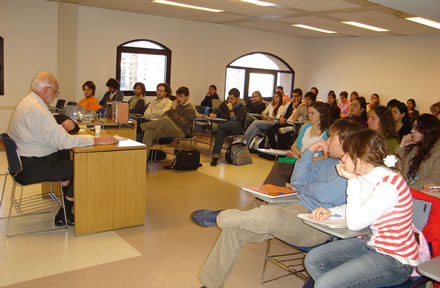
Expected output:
(185, 160)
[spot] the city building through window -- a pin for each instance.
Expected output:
(143, 61)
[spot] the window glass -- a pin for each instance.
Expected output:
(234, 79)
(143, 61)
(261, 82)
(259, 72)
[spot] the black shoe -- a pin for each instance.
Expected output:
(214, 162)
(205, 217)
(59, 219)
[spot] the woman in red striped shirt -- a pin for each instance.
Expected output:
(378, 198)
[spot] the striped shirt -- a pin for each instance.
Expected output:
(392, 233)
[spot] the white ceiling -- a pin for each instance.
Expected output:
(324, 14)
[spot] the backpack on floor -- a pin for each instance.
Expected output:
(238, 154)
(259, 141)
(185, 160)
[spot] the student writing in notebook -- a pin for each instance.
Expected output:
(379, 198)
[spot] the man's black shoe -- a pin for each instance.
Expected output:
(214, 162)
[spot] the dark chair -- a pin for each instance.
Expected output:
(30, 205)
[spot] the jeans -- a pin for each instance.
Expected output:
(224, 129)
(255, 127)
(351, 263)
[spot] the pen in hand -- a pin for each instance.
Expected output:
(330, 215)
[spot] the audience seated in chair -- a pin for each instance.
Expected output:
(235, 113)
(379, 198)
(358, 111)
(162, 104)
(255, 105)
(309, 133)
(420, 153)
(177, 122)
(113, 93)
(283, 136)
(402, 123)
(381, 119)
(89, 102)
(136, 104)
(211, 94)
(269, 117)
(317, 184)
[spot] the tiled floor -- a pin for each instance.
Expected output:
(166, 252)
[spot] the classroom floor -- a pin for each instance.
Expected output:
(167, 251)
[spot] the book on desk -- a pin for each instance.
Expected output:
(270, 191)
(332, 222)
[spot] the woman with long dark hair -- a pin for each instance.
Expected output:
(402, 123)
(420, 152)
(358, 111)
(381, 120)
(272, 112)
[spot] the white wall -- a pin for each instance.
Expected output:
(200, 51)
(29, 30)
(393, 67)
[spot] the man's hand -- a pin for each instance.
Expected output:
(320, 146)
(230, 107)
(212, 115)
(320, 214)
(263, 116)
(68, 125)
(174, 105)
(104, 140)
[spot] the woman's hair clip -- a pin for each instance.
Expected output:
(390, 161)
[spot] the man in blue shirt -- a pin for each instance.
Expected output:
(317, 184)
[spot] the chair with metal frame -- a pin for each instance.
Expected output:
(29, 205)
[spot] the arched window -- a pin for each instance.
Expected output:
(143, 61)
(259, 71)
(2, 73)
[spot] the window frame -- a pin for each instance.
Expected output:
(249, 70)
(148, 51)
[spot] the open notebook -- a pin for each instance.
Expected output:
(332, 222)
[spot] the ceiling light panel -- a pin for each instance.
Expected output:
(314, 28)
(183, 5)
(424, 21)
(258, 2)
(396, 25)
(365, 26)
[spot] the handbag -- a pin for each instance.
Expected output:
(185, 160)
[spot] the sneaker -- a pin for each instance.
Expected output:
(204, 217)
(59, 218)
(214, 162)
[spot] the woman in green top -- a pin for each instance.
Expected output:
(381, 120)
